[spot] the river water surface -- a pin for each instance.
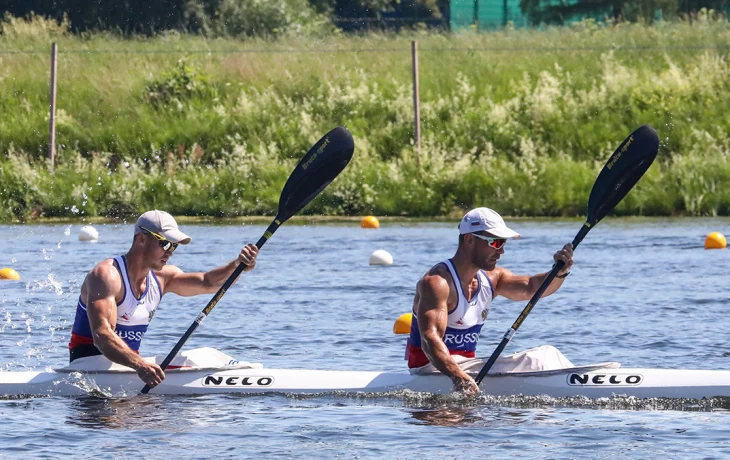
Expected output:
(642, 292)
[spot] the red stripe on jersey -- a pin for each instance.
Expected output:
(417, 358)
(77, 340)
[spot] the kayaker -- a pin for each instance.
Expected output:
(452, 300)
(119, 296)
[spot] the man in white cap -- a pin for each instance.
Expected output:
(453, 299)
(119, 296)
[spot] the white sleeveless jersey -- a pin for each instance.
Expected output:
(465, 321)
(133, 314)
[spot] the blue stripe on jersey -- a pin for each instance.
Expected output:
(462, 339)
(454, 339)
(415, 337)
(81, 322)
(132, 335)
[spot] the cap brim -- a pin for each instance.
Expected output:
(503, 232)
(176, 236)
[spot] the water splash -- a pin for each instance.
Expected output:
(86, 384)
(56, 284)
(430, 401)
(49, 284)
(8, 321)
(27, 321)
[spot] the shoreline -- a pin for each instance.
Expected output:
(338, 220)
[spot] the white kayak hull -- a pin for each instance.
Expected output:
(591, 382)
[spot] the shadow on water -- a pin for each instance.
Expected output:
(453, 417)
(137, 412)
(144, 412)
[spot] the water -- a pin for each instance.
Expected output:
(642, 292)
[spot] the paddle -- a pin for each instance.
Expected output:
(622, 171)
(324, 161)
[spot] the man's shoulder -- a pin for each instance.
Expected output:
(103, 269)
(439, 271)
(104, 277)
(437, 278)
(168, 270)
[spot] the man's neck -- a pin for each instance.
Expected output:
(136, 269)
(464, 268)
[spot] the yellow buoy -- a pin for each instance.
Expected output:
(715, 240)
(9, 274)
(370, 222)
(403, 324)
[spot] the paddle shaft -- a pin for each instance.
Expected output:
(528, 308)
(208, 308)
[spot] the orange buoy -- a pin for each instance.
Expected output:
(370, 222)
(9, 274)
(715, 240)
(403, 324)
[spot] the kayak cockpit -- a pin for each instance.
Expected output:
(542, 360)
(197, 359)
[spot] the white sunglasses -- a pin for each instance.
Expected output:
(496, 243)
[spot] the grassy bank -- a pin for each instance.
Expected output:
(517, 120)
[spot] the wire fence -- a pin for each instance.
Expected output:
(414, 49)
(490, 49)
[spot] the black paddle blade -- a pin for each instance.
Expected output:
(624, 169)
(324, 161)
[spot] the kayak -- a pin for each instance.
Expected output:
(225, 375)
(588, 382)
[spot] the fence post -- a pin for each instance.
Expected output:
(476, 14)
(416, 103)
(52, 117)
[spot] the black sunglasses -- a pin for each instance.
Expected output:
(165, 244)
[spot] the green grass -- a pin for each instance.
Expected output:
(518, 120)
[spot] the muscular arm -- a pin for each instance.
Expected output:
(102, 284)
(432, 313)
(190, 284)
(521, 287)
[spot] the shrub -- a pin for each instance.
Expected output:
(176, 87)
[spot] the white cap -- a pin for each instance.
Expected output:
(487, 220)
(162, 223)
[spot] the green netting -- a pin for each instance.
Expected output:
(492, 14)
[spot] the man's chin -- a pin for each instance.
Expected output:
(489, 266)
